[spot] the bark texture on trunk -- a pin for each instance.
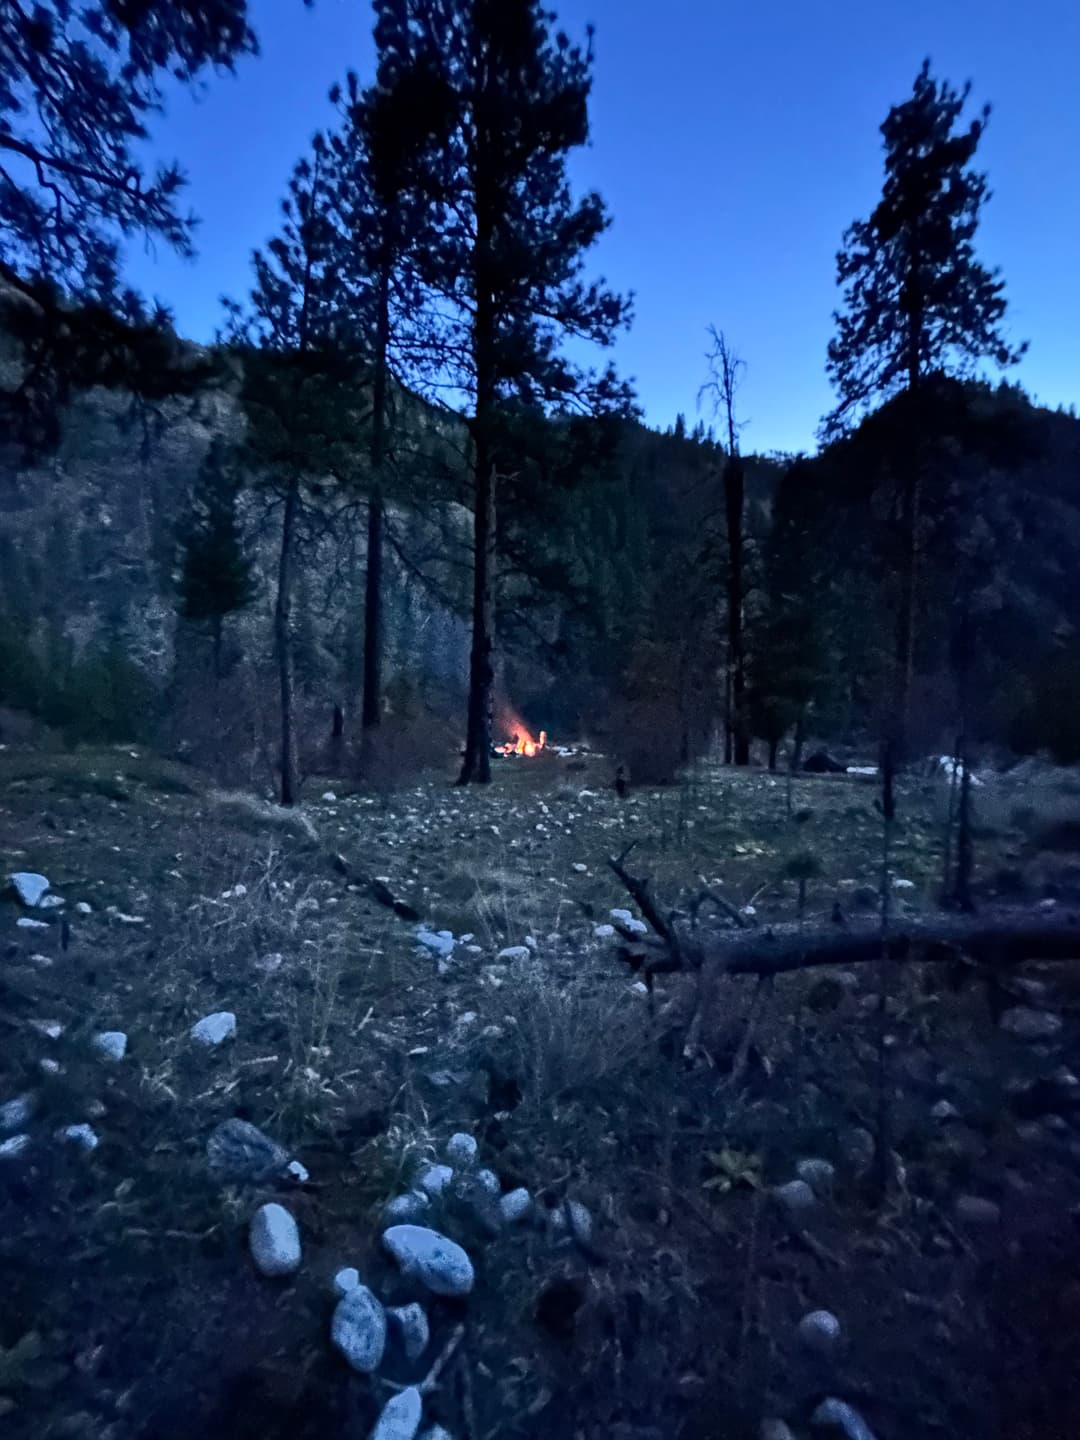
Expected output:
(290, 766)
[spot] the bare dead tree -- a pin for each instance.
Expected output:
(725, 372)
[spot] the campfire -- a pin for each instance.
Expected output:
(521, 741)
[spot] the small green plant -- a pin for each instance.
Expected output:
(732, 1169)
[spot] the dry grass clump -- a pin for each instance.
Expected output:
(260, 815)
(559, 1039)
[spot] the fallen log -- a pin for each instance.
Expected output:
(1000, 937)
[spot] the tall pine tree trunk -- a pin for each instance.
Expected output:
(476, 766)
(734, 502)
(283, 635)
(728, 727)
(910, 507)
(905, 621)
(371, 712)
(372, 703)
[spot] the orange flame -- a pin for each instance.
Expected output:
(523, 742)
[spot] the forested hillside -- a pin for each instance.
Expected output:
(613, 551)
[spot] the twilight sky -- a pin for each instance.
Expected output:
(733, 143)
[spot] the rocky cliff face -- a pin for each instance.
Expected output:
(88, 552)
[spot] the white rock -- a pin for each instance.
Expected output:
(401, 1416)
(51, 1029)
(431, 1258)
(345, 1280)
(461, 1149)
(899, 884)
(404, 1209)
(603, 932)
(635, 927)
(796, 1197)
(51, 902)
(841, 1416)
(49, 1066)
(329, 796)
(573, 1215)
(621, 917)
(820, 1331)
(515, 1205)
(16, 1145)
(83, 908)
(17, 1113)
(24, 922)
(514, 952)
(435, 1180)
(411, 1323)
(1028, 1024)
(580, 869)
(298, 1172)
(974, 1210)
(29, 887)
(85, 1136)
(274, 1239)
(215, 1029)
(238, 1150)
(440, 943)
(488, 1182)
(112, 1043)
(944, 1110)
(268, 964)
(819, 1174)
(358, 1329)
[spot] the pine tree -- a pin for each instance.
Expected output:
(379, 150)
(78, 86)
(298, 342)
(508, 256)
(215, 572)
(916, 303)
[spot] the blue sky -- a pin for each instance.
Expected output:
(732, 143)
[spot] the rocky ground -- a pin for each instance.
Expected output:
(278, 1160)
